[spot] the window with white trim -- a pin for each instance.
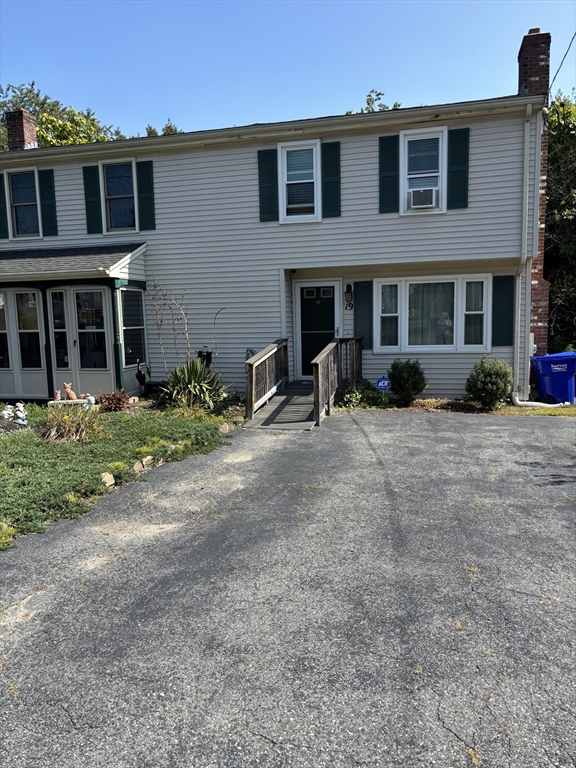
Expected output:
(432, 314)
(119, 199)
(423, 174)
(23, 196)
(28, 329)
(134, 338)
(299, 181)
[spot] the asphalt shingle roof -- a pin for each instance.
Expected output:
(40, 261)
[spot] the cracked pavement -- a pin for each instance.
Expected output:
(394, 589)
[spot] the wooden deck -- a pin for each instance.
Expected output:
(291, 408)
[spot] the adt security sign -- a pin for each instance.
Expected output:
(383, 384)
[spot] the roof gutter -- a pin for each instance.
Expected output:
(272, 132)
(100, 273)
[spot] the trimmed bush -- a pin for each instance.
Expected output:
(407, 380)
(490, 382)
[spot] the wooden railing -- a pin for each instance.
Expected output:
(338, 365)
(350, 352)
(267, 373)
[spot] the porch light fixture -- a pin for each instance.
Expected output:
(349, 296)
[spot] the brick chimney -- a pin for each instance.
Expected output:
(21, 127)
(534, 64)
(534, 80)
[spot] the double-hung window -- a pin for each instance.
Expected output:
(423, 171)
(432, 314)
(24, 204)
(27, 204)
(119, 196)
(299, 176)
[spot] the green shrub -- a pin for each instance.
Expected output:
(194, 384)
(490, 382)
(366, 395)
(407, 380)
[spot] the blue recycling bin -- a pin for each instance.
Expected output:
(555, 377)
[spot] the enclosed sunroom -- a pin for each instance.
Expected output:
(72, 315)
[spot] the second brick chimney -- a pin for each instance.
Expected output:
(534, 64)
(21, 127)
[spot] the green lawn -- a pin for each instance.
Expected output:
(43, 480)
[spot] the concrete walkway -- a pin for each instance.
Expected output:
(393, 589)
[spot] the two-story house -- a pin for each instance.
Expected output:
(419, 229)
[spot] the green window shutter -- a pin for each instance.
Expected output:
(363, 312)
(389, 172)
(92, 199)
(47, 203)
(3, 210)
(268, 184)
(502, 310)
(331, 180)
(145, 182)
(458, 143)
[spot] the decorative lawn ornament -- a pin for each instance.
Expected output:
(8, 413)
(70, 395)
(20, 415)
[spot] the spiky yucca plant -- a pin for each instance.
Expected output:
(194, 384)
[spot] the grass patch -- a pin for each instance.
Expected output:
(43, 480)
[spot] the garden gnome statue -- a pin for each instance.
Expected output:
(20, 416)
(70, 395)
(8, 413)
(90, 401)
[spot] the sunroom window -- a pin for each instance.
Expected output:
(133, 327)
(4, 352)
(28, 329)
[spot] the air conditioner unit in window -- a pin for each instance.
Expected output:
(423, 198)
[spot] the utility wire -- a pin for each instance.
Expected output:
(562, 62)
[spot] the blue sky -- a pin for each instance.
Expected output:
(224, 63)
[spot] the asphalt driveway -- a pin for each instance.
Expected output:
(394, 589)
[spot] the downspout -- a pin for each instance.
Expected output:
(525, 265)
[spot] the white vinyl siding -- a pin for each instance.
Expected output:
(210, 245)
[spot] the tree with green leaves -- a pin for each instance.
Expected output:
(374, 103)
(560, 242)
(169, 130)
(56, 123)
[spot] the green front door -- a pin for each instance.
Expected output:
(317, 323)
